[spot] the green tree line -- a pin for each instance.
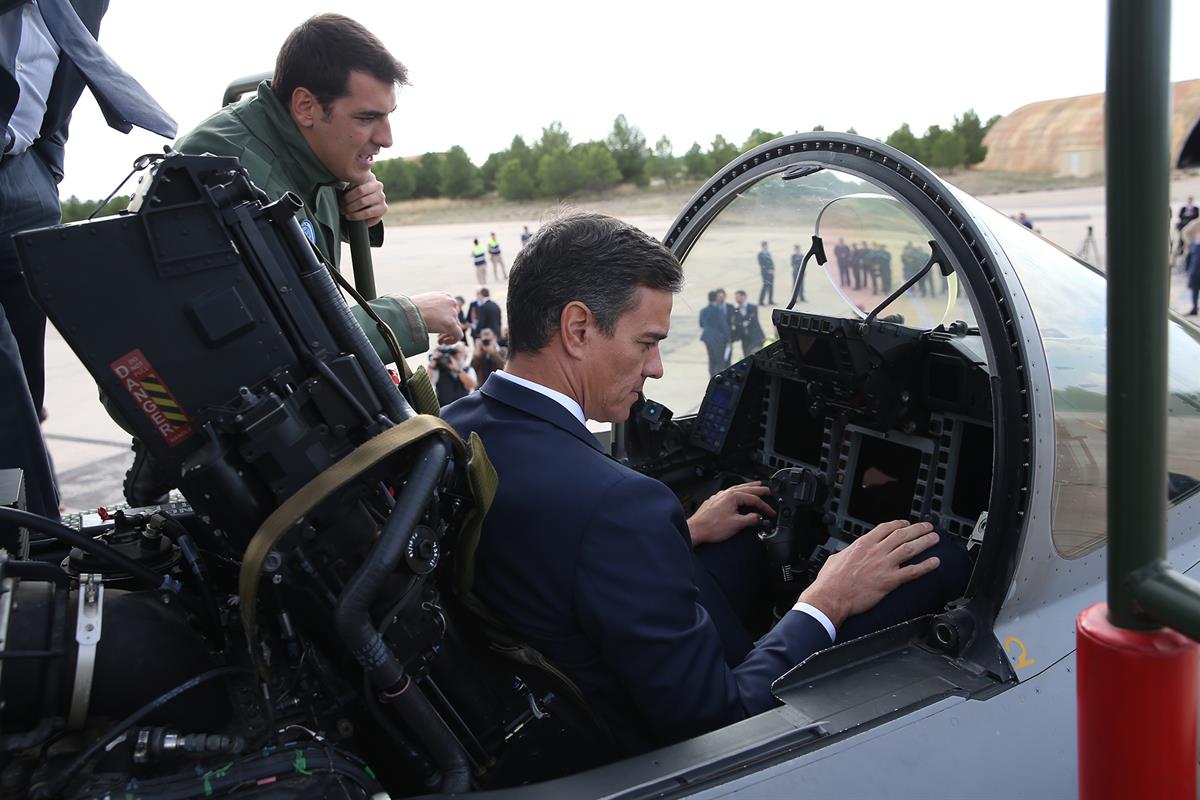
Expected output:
(74, 209)
(554, 166)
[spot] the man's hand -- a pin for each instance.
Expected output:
(728, 511)
(858, 577)
(364, 202)
(441, 315)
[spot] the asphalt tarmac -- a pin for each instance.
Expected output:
(91, 453)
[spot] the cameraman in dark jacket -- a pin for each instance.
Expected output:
(452, 377)
(488, 357)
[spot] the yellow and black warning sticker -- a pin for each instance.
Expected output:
(153, 397)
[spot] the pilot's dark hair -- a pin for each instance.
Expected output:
(595, 259)
(322, 52)
(483, 292)
(712, 295)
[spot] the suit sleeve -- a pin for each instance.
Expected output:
(637, 600)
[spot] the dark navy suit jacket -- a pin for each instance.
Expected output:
(591, 563)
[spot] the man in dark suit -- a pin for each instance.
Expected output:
(39, 86)
(716, 331)
(484, 313)
(591, 562)
(745, 321)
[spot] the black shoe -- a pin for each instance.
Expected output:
(1191, 313)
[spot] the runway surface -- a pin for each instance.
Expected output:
(91, 453)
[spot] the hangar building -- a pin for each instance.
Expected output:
(1066, 136)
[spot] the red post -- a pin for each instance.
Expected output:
(1137, 694)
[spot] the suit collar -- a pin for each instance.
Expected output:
(530, 402)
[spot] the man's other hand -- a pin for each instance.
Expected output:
(855, 579)
(364, 202)
(728, 511)
(440, 314)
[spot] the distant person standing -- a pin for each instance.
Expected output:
(797, 263)
(745, 322)
(1193, 273)
(1187, 213)
(499, 271)
(715, 332)
(460, 303)
(841, 254)
(480, 257)
(525, 235)
(766, 268)
(484, 314)
(1025, 220)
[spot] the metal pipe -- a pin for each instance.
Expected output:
(1170, 598)
(1137, 154)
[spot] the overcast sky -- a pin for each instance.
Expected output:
(482, 72)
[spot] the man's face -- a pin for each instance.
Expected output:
(616, 367)
(720, 297)
(347, 138)
(740, 298)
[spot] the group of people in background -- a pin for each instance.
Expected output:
(482, 254)
(766, 269)
(458, 369)
(722, 324)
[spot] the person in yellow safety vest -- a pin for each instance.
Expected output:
(499, 271)
(480, 263)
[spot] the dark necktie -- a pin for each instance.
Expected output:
(122, 99)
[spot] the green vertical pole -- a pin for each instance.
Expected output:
(360, 255)
(1137, 141)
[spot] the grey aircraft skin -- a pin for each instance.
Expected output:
(979, 701)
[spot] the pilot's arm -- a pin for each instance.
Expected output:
(637, 601)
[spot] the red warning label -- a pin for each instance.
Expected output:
(153, 397)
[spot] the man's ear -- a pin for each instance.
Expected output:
(304, 107)
(575, 325)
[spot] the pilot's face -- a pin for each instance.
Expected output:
(347, 138)
(617, 366)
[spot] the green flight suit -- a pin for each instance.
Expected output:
(259, 131)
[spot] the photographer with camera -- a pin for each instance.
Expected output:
(488, 357)
(452, 377)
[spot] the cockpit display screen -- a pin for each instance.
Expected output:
(816, 351)
(885, 478)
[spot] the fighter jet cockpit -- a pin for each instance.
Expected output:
(850, 369)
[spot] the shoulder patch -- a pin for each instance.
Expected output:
(309, 229)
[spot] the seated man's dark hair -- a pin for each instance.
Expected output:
(595, 259)
(322, 52)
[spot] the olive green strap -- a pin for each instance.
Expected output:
(296, 507)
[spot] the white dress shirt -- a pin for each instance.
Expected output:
(33, 65)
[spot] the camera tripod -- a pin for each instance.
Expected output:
(1089, 251)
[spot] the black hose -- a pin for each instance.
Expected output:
(346, 331)
(352, 615)
(419, 715)
(353, 621)
(59, 781)
(90, 546)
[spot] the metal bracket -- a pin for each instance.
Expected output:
(87, 633)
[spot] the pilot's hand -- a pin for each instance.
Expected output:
(728, 511)
(855, 579)
(365, 201)
(440, 314)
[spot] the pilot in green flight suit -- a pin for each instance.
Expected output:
(258, 130)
